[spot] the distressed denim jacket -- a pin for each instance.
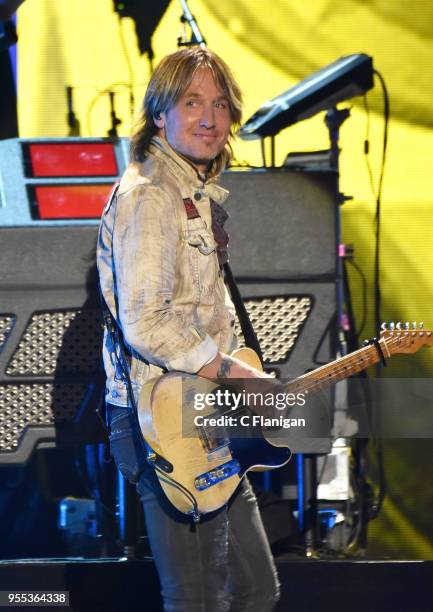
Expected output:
(159, 272)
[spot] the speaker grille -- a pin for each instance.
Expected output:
(277, 322)
(35, 404)
(58, 342)
(6, 324)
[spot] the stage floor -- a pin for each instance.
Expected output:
(115, 585)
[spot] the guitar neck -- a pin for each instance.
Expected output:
(337, 370)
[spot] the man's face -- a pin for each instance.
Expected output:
(198, 126)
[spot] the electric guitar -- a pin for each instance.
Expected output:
(198, 467)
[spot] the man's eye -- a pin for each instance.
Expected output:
(191, 103)
(221, 104)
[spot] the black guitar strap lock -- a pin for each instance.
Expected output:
(375, 342)
(379, 351)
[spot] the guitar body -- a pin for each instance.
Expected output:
(209, 469)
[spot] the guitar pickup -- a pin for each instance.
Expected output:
(217, 474)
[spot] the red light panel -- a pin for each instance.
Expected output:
(73, 159)
(71, 201)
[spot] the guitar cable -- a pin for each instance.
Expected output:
(194, 513)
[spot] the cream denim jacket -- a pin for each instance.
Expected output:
(159, 271)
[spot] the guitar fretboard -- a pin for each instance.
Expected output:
(342, 368)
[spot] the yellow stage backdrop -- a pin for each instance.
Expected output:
(271, 45)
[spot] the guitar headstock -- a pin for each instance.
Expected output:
(405, 337)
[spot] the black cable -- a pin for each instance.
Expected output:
(358, 477)
(169, 480)
(376, 507)
(367, 148)
(358, 521)
(377, 294)
(103, 92)
(364, 298)
(371, 508)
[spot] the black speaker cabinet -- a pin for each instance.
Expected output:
(283, 253)
(50, 340)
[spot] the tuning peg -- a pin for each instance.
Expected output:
(398, 326)
(383, 326)
(406, 325)
(414, 325)
(391, 326)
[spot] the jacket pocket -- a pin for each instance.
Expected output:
(204, 263)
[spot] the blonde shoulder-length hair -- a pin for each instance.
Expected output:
(169, 82)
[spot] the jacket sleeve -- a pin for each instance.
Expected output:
(145, 242)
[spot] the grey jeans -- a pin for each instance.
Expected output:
(223, 563)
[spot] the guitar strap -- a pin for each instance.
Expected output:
(219, 217)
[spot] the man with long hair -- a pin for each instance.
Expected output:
(161, 279)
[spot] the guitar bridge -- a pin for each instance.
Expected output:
(217, 474)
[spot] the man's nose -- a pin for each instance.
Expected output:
(207, 118)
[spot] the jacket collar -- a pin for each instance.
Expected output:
(180, 166)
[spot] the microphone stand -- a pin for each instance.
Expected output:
(115, 121)
(73, 123)
(196, 35)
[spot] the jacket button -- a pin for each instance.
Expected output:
(197, 196)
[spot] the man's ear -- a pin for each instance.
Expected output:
(159, 120)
